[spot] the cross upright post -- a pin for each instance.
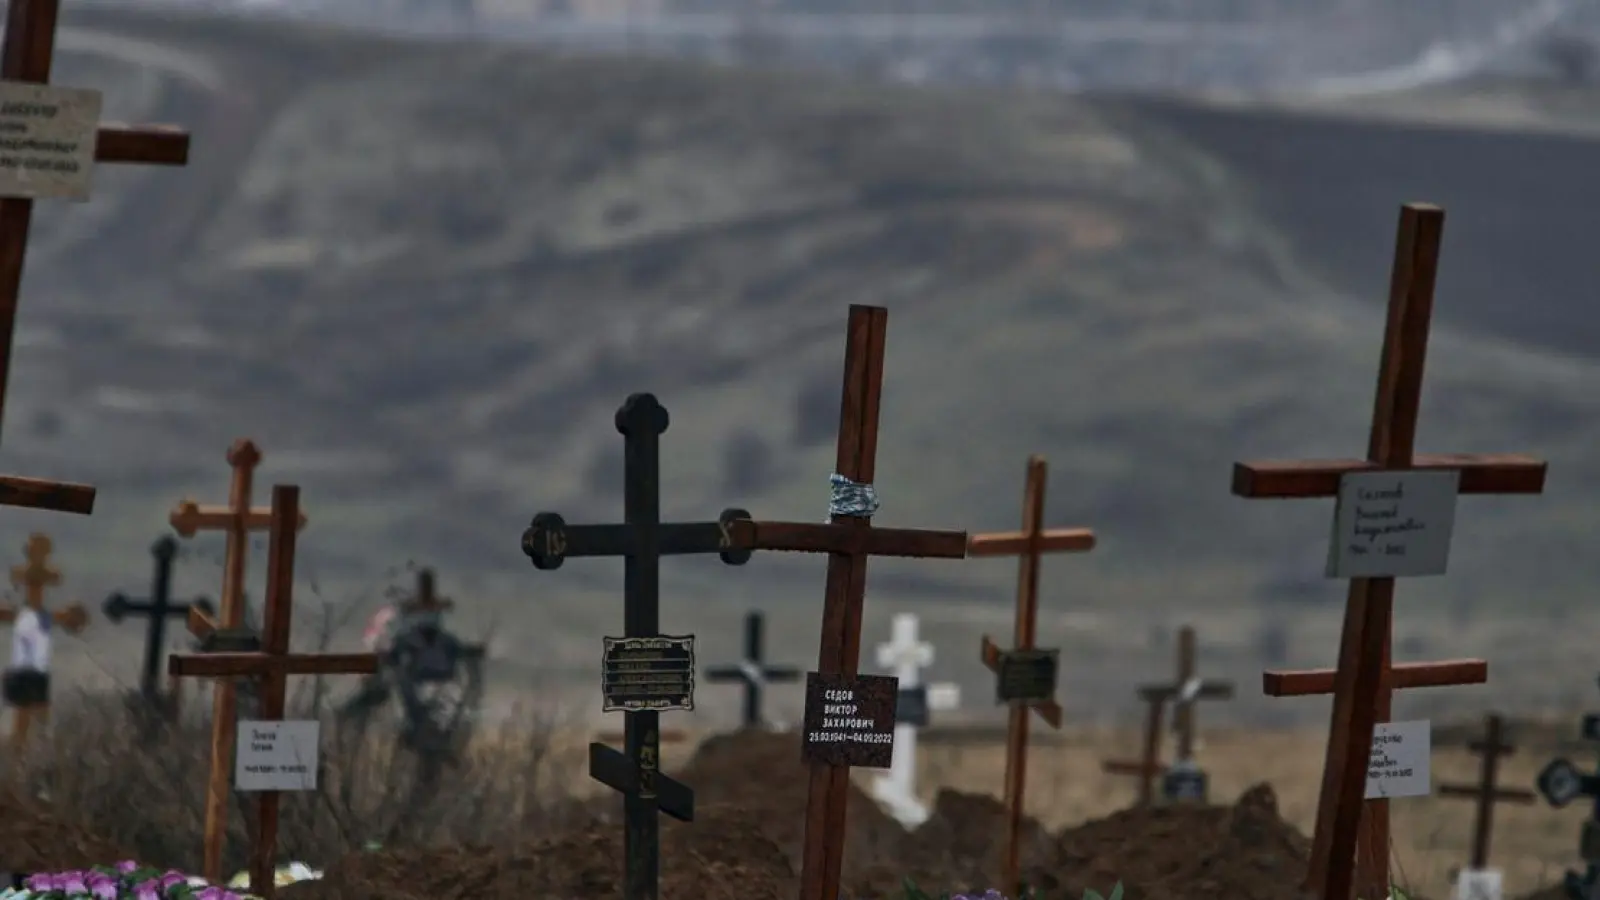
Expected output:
(1149, 764)
(1362, 681)
(1028, 545)
(426, 599)
(156, 610)
(1487, 791)
(642, 539)
(238, 519)
(849, 538)
(27, 57)
(27, 680)
(271, 666)
(753, 672)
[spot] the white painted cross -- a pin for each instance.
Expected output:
(907, 657)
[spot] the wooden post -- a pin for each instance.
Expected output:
(271, 667)
(1487, 792)
(849, 538)
(1028, 544)
(237, 519)
(1149, 764)
(29, 51)
(1361, 695)
(33, 577)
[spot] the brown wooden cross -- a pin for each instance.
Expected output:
(238, 519)
(33, 577)
(271, 667)
(426, 598)
(1360, 686)
(848, 539)
(1028, 545)
(1487, 792)
(27, 57)
(1149, 764)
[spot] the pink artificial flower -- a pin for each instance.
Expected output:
(127, 866)
(104, 889)
(147, 890)
(173, 878)
(73, 883)
(44, 882)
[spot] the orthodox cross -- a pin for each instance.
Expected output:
(271, 667)
(642, 539)
(907, 655)
(33, 577)
(27, 56)
(1028, 545)
(1560, 782)
(753, 671)
(1149, 764)
(156, 610)
(1363, 682)
(1185, 780)
(227, 632)
(1487, 791)
(849, 539)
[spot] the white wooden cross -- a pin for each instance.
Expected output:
(907, 656)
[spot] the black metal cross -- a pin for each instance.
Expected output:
(753, 670)
(1561, 782)
(642, 540)
(157, 610)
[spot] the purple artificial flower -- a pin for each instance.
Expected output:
(127, 866)
(104, 889)
(212, 892)
(74, 883)
(173, 878)
(44, 882)
(148, 889)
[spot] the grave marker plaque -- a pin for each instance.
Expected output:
(1027, 676)
(849, 720)
(641, 673)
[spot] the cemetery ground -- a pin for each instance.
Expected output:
(519, 817)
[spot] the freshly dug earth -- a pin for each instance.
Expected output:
(34, 839)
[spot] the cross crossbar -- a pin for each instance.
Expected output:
(1295, 479)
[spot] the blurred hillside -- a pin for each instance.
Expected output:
(424, 276)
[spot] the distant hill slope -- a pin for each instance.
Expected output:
(425, 277)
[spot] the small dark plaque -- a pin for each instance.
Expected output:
(1184, 784)
(1591, 727)
(648, 673)
(849, 720)
(1027, 676)
(1589, 842)
(911, 706)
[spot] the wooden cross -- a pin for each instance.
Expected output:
(1149, 764)
(237, 519)
(849, 539)
(271, 668)
(1363, 682)
(1486, 791)
(156, 610)
(754, 672)
(1185, 690)
(33, 577)
(27, 56)
(1028, 544)
(642, 539)
(426, 599)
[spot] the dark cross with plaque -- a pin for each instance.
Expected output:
(1363, 681)
(1487, 792)
(1149, 764)
(642, 539)
(1025, 677)
(156, 610)
(29, 51)
(1184, 780)
(271, 667)
(753, 671)
(849, 538)
(1560, 782)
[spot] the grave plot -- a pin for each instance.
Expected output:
(1394, 514)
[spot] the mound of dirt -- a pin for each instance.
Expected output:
(33, 839)
(1243, 852)
(723, 854)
